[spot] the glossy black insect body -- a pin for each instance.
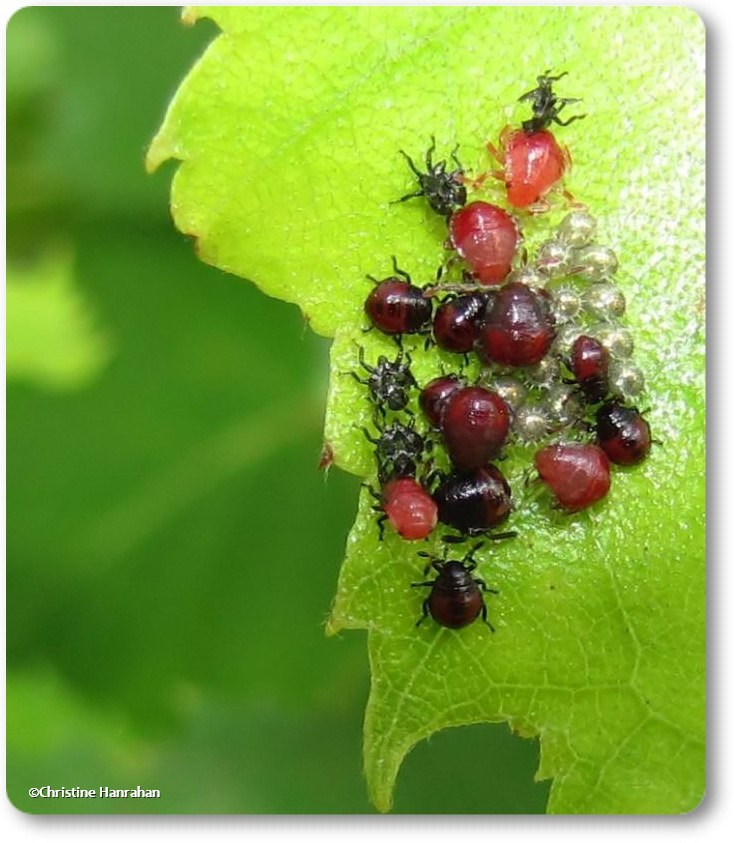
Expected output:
(444, 190)
(623, 433)
(396, 306)
(456, 598)
(389, 382)
(546, 105)
(473, 502)
(399, 449)
(457, 322)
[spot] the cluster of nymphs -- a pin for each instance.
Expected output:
(554, 364)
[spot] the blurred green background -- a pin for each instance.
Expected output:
(172, 549)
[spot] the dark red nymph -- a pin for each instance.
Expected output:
(474, 424)
(396, 306)
(457, 322)
(434, 394)
(623, 433)
(590, 366)
(455, 599)
(518, 329)
(473, 502)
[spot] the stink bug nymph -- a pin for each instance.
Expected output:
(546, 105)
(456, 598)
(444, 190)
(389, 382)
(396, 306)
(399, 448)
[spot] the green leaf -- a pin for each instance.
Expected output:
(288, 132)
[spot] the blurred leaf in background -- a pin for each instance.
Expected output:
(51, 337)
(172, 550)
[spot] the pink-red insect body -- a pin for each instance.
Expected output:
(409, 508)
(534, 163)
(486, 237)
(578, 474)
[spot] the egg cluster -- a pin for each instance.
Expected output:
(553, 361)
